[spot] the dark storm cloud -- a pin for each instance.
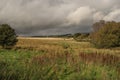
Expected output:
(41, 17)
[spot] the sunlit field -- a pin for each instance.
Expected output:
(58, 59)
(59, 45)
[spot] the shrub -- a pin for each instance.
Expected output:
(65, 45)
(81, 37)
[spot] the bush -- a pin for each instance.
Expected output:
(8, 37)
(65, 45)
(107, 36)
(81, 37)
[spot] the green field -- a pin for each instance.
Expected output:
(58, 59)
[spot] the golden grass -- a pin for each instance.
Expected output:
(59, 45)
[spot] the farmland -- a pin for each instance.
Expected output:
(58, 59)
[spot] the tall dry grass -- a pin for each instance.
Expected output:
(58, 59)
(60, 45)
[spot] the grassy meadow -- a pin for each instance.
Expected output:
(58, 59)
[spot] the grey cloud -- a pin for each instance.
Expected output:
(80, 15)
(44, 17)
(114, 15)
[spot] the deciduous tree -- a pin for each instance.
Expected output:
(8, 37)
(107, 36)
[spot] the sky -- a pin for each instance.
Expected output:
(54, 17)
